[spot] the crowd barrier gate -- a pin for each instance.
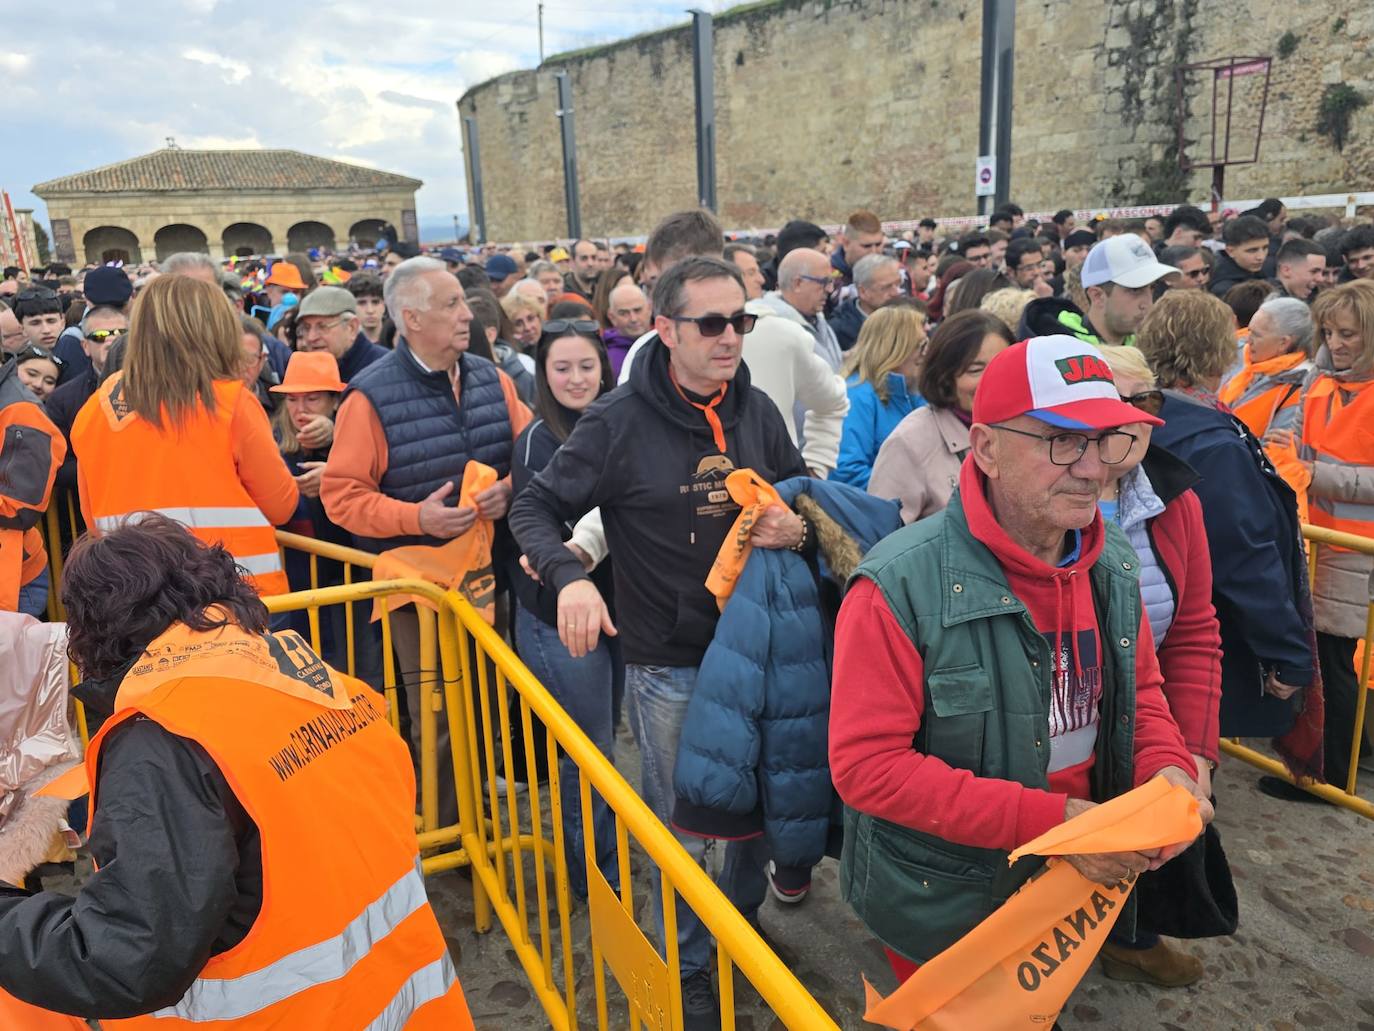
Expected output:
(1339, 794)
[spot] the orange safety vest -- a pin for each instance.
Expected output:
(129, 466)
(345, 937)
(1253, 395)
(31, 451)
(14, 1013)
(1338, 429)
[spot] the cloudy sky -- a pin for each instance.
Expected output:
(368, 81)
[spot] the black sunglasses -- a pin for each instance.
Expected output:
(559, 326)
(37, 351)
(714, 325)
(1151, 402)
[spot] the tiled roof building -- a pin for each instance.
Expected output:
(223, 202)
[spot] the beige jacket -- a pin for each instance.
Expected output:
(1344, 583)
(919, 462)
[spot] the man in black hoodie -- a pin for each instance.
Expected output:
(653, 455)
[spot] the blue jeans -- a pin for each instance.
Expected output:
(658, 697)
(590, 689)
(33, 596)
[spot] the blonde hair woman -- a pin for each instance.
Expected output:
(1008, 304)
(881, 374)
(176, 432)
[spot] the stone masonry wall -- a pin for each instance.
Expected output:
(823, 106)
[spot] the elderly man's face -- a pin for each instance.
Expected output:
(629, 310)
(439, 332)
(1030, 491)
(101, 332)
(12, 336)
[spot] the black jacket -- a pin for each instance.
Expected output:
(61, 408)
(1258, 571)
(360, 354)
(647, 458)
(1226, 274)
(179, 881)
(846, 322)
(533, 450)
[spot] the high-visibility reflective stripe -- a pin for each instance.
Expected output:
(259, 565)
(1322, 456)
(425, 985)
(1350, 510)
(202, 517)
(237, 997)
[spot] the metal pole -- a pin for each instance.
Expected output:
(472, 148)
(704, 83)
(565, 119)
(541, 33)
(994, 121)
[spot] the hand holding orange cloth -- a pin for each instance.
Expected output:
(755, 496)
(1016, 970)
(462, 564)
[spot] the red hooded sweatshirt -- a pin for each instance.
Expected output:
(878, 698)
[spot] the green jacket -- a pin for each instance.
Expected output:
(987, 695)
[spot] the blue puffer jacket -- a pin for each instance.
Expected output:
(868, 423)
(752, 756)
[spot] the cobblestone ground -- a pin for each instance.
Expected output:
(1302, 958)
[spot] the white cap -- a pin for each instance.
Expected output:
(1125, 260)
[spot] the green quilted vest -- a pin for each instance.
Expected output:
(987, 695)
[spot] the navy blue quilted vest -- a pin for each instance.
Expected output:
(429, 438)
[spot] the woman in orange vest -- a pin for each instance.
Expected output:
(252, 820)
(1338, 444)
(175, 432)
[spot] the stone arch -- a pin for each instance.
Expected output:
(366, 232)
(179, 237)
(244, 238)
(304, 235)
(111, 243)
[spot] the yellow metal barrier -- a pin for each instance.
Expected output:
(1344, 796)
(512, 837)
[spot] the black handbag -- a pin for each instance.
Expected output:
(1192, 895)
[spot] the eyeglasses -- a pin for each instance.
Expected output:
(714, 325)
(1148, 401)
(36, 351)
(1067, 448)
(1198, 273)
(559, 326)
(99, 336)
(308, 329)
(826, 281)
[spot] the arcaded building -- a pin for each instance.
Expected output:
(224, 203)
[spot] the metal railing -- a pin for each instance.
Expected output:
(511, 834)
(1341, 795)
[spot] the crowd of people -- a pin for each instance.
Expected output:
(967, 532)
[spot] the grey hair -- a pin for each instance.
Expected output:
(405, 287)
(537, 268)
(868, 266)
(185, 261)
(1292, 318)
(793, 265)
(99, 309)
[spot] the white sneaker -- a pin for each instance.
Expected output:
(788, 897)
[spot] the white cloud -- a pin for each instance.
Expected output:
(370, 83)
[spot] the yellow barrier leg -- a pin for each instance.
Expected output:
(458, 714)
(430, 696)
(1361, 705)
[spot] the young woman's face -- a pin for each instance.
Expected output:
(301, 408)
(573, 370)
(967, 382)
(39, 375)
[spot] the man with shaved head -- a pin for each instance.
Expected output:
(805, 281)
(630, 316)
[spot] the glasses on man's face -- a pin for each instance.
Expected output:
(1199, 274)
(714, 325)
(1067, 448)
(1151, 402)
(311, 329)
(103, 336)
(826, 281)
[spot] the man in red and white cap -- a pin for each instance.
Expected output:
(994, 675)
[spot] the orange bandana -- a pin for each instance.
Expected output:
(708, 410)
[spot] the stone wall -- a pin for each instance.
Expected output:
(827, 105)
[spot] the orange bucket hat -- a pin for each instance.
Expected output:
(310, 372)
(285, 274)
